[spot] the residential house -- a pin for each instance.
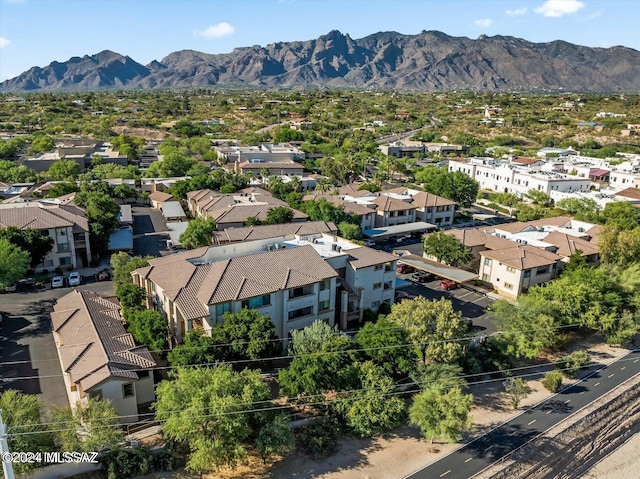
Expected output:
(158, 197)
(287, 230)
(99, 359)
(66, 224)
(293, 281)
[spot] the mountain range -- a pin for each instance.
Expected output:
(428, 61)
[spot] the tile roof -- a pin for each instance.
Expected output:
(632, 193)
(42, 216)
(93, 344)
(425, 199)
(567, 244)
(364, 257)
(523, 160)
(522, 257)
(560, 221)
(272, 165)
(250, 233)
(386, 203)
(160, 196)
(237, 278)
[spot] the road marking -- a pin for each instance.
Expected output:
(610, 376)
(529, 424)
(470, 459)
(583, 392)
(445, 473)
(636, 360)
(567, 401)
(549, 411)
(596, 384)
(623, 368)
(513, 433)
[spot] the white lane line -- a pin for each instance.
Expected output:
(582, 392)
(529, 424)
(445, 473)
(610, 376)
(567, 401)
(549, 411)
(470, 459)
(623, 368)
(596, 384)
(636, 360)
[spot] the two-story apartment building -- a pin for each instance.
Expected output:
(66, 224)
(293, 281)
(99, 359)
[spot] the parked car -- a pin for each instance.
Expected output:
(103, 275)
(404, 268)
(74, 278)
(369, 242)
(57, 282)
(12, 288)
(420, 277)
(448, 284)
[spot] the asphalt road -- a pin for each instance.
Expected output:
(27, 348)
(484, 451)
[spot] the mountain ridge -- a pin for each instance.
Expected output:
(428, 61)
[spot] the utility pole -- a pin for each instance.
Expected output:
(7, 467)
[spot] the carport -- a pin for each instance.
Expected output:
(385, 232)
(438, 269)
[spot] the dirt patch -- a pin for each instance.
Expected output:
(146, 133)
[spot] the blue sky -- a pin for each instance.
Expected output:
(37, 32)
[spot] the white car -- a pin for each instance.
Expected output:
(57, 282)
(74, 278)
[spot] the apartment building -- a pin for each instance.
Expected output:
(66, 224)
(294, 281)
(99, 359)
(503, 177)
(267, 152)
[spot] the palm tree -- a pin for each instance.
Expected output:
(295, 183)
(323, 185)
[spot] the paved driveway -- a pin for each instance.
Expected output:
(150, 233)
(28, 357)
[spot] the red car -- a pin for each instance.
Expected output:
(448, 284)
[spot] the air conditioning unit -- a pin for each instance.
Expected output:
(269, 247)
(333, 246)
(580, 230)
(338, 249)
(315, 241)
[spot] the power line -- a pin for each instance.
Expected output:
(312, 403)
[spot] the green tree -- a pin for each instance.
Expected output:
(434, 328)
(455, 186)
(526, 213)
(130, 296)
(275, 438)
(41, 144)
(311, 339)
(384, 342)
(441, 413)
(63, 188)
(246, 334)
(21, 413)
(174, 163)
(206, 409)
(373, 407)
(516, 389)
(30, 240)
(64, 170)
(621, 215)
(279, 215)
(90, 428)
(447, 248)
(11, 173)
(199, 233)
(124, 192)
(539, 197)
(350, 231)
(571, 364)
(123, 264)
(552, 381)
(14, 262)
(578, 205)
(196, 348)
(149, 328)
(439, 375)
(102, 213)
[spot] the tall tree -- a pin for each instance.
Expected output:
(441, 413)
(30, 240)
(64, 170)
(207, 409)
(279, 215)
(123, 264)
(275, 438)
(447, 248)
(455, 186)
(149, 328)
(199, 232)
(434, 327)
(14, 262)
(90, 428)
(195, 349)
(311, 338)
(385, 343)
(246, 334)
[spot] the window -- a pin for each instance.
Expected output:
(487, 262)
(298, 313)
(511, 269)
(377, 285)
(485, 277)
(63, 247)
(142, 374)
(324, 284)
(62, 232)
(324, 305)
(65, 261)
(377, 267)
(223, 308)
(375, 305)
(508, 285)
(97, 394)
(257, 301)
(387, 267)
(127, 390)
(527, 273)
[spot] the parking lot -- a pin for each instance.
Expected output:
(28, 356)
(150, 233)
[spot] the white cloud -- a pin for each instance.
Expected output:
(483, 22)
(4, 42)
(222, 29)
(559, 8)
(517, 11)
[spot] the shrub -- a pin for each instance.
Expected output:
(123, 463)
(572, 363)
(552, 381)
(319, 439)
